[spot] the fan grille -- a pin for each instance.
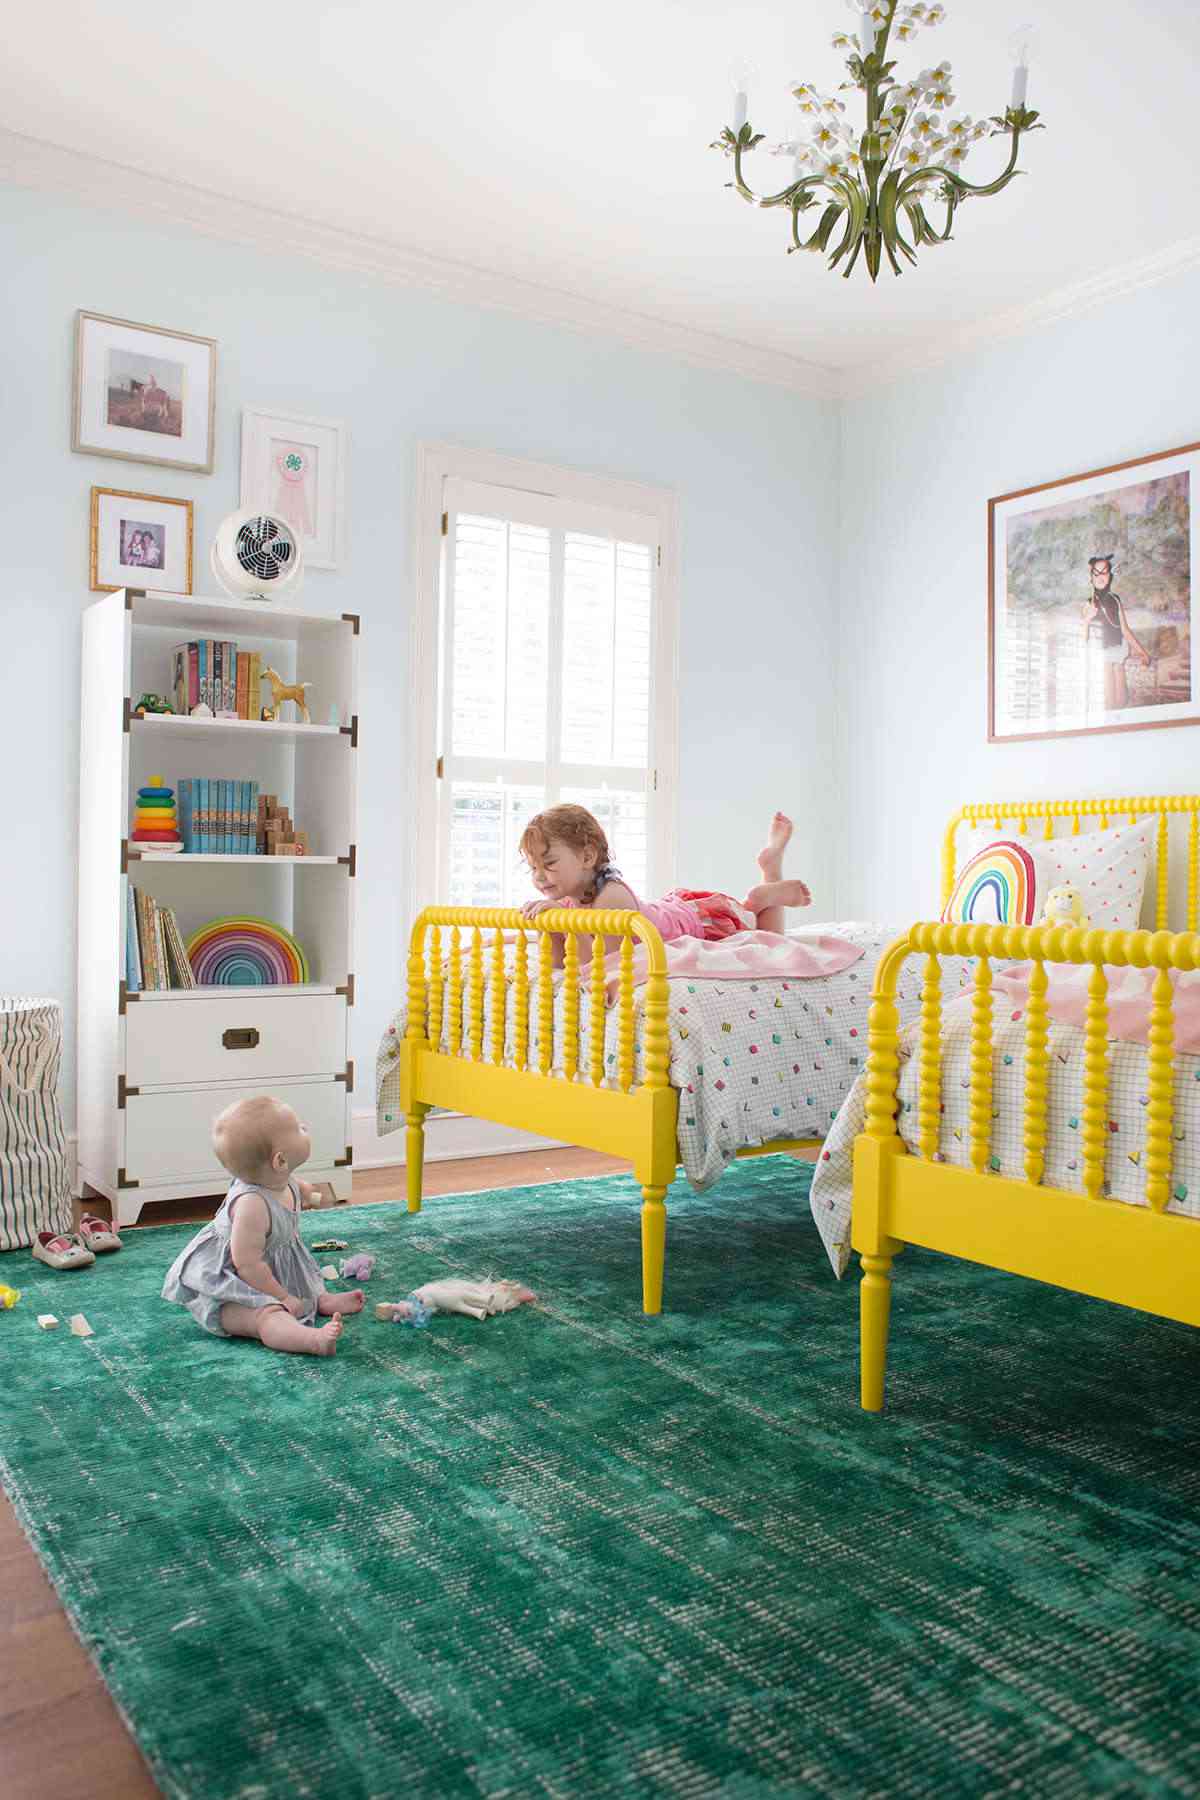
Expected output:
(263, 549)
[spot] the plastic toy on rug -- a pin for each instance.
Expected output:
(154, 821)
(477, 1299)
(8, 1297)
(359, 1267)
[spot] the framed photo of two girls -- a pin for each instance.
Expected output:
(1090, 601)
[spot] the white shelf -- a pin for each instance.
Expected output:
(183, 726)
(190, 610)
(234, 993)
(207, 856)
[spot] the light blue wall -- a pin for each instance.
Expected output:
(920, 461)
(754, 467)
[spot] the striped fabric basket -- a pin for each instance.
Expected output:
(35, 1191)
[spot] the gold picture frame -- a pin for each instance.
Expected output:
(136, 541)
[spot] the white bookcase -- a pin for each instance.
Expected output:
(155, 1068)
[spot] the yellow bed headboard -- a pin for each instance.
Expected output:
(1104, 811)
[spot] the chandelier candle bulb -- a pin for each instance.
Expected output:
(1020, 42)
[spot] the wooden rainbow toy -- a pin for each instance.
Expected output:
(246, 952)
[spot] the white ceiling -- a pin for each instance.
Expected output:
(567, 146)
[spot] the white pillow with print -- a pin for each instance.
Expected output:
(1109, 868)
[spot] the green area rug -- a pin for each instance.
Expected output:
(570, 1552)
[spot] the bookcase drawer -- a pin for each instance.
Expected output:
(195, 1039)
(168, 1137)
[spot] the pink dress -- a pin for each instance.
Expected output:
(694, 912)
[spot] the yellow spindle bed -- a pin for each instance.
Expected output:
(1139, 1256)
(567, 1095)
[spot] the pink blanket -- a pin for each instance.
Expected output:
(747, 956)
(1129, 996)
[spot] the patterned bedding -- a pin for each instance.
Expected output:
(752, 1060)
(1127, 1100)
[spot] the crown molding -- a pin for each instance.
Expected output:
(1054, 308)
(117, 187)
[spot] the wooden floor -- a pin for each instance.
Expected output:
(61, 1737)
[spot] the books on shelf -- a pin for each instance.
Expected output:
(215, 673)
(218, 818)
(156, 957)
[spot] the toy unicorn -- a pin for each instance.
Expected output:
(1064, 907)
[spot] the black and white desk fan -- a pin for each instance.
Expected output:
(256, 555)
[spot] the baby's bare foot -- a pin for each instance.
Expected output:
(341, 1303)
(770, 857)
(325, 1340)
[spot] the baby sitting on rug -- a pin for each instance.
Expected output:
(249, 1274)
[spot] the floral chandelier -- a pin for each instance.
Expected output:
(909, 154)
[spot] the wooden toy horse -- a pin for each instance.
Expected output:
(281, 691)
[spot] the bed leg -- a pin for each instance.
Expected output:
(654, 1247)
(414, 1155)
(875, 1311)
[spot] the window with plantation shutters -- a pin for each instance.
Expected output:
(553, 654)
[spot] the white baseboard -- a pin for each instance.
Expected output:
(448, 1135)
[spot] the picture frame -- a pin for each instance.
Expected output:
(295, 468)
(140, 541)
(1091, 621)
(143, 394)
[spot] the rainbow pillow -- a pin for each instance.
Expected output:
(999, 886)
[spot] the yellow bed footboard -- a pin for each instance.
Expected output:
(495, 1031)
(1141, 1257)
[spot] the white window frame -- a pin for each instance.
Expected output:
(438, 464)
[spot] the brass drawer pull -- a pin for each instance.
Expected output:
(240, 1038)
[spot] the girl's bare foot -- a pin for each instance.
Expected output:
(770, 857)
(341, 1303)
(776, 893)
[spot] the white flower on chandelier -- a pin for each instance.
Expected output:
(956, 155)
(910, 95)
(936, 15)
(958, 130)
(912, 157)
(904, 32)
(831, 104)
(924, 127)
(843, 41)
(932, 78)
(836, 168)
(827, 137)
(941, 97)
(981, 129)
(916, 11)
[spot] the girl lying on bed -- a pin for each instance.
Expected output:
(567, 853)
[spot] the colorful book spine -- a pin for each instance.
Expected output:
(252, 818)
(227, 818)
(205, 688)
(243, 683)
(243, 806)
(133, 955)
(231, 668)
(179, 678)
(184, 799)
(255, 697)
(200, 815)
(193, 675)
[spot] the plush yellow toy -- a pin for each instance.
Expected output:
(1064, 907)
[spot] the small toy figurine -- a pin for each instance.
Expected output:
(1064, 907)
(153, 703)
(267, 715)
(282, 690)
(8, 1297)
